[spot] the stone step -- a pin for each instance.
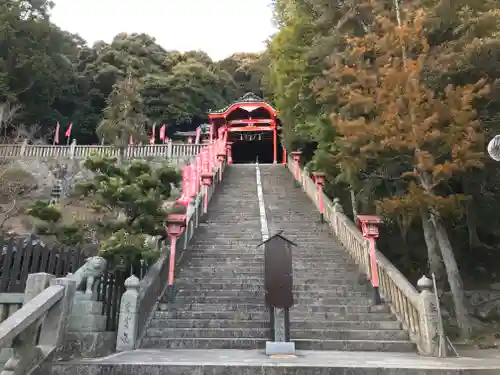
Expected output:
(295, 334)
(356, 345)
(300, 300)
(250, 362)
(244, 293)
(348, 334)
(236, 274)
(259, 281)
(203, 343)
(258, 284)
(263, 315)
(226, 306)
(235, 250)
(294, 324)
(194, 333)
(259, 266)
(209, 323)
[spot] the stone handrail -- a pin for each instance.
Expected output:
(416, 311)
(141, 298)
(168, 150)
(47, 305)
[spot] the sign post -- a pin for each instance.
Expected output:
(278, 284)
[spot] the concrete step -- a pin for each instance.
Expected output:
(203, 343)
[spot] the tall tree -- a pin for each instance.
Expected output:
(123, 116)
(389, 113)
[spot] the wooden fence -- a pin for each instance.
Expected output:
(21, 257)
(168, 150)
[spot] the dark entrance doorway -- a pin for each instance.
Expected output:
(244, 152)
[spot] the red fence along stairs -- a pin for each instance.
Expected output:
(220, 303)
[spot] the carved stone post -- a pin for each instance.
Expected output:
(429, 319)
(129, 313)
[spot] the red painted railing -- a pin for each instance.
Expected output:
(197, 181)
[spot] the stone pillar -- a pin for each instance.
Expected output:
(87, 336)
(72, 149)
(129, 314)
(428, 319)
(56, 323)
(23, 147)
(169, 149)
(336, 208)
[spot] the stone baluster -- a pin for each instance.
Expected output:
(429, 319)
(128, 317)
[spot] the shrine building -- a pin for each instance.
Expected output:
(251, 127)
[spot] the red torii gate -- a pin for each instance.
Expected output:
(248, 114)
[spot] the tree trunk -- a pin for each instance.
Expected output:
(433, 256)
(454, 279)
(353, 203)
(471, 188)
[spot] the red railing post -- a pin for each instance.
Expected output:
(368, 225)
(319, 179)
(229, 146)
(175, 226)
(296, 155)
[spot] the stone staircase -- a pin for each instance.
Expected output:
(220, 299)
(333, 309)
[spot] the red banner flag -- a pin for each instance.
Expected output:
(198, 135)
(68, 132)
(131, 140)
(56, 136)
(162, 132)
(153, 138)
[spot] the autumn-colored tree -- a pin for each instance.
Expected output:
(390, 116)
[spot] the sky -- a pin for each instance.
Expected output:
(218, 27)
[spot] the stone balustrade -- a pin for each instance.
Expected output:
(416, 311)
(9, 304)
(176, 152)
(38, 328)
